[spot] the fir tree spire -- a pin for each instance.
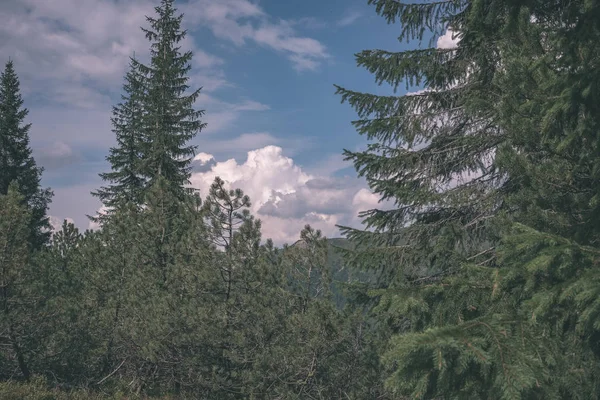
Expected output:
(156, 120)
(16, 160)
(171, 120)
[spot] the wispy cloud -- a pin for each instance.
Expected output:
(56, 155)
(64, 56)
(349, 18)
(241, 21)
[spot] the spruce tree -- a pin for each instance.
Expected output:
(156, 120)
(170, 119)
(126, 182)
(16, 161)
(487, 284)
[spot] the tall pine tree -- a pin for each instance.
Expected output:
(156, 119)
(170, 118)
(16, 160)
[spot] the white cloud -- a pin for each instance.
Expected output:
(71, 66)
(94, 225)
(284, 196)
(448, 40)
(203, 158)
(71, 56)
(75, 52)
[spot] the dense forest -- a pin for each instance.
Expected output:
(479, 283)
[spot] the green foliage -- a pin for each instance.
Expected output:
(14, 288)
(156, 120)
(16, 161)
(126, 182)
(175, 296)
(486, 264)
(38, 389)
(170, 120)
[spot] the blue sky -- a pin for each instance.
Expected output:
(275, 127)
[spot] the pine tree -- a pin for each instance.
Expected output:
(126, 183)
(309, 268)
(170, 119)
(14, 257)
(226, 212)
(487, 282)
(317, 350)
(65, 352)
(16, 161)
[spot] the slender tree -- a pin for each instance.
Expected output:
(226, 211)
(126, 182)
(16, 161)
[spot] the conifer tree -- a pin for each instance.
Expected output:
(65, 353)
(126, 182)
(156, 120)
(226, 212)
(320, 351)
(485, 263)
(16, 161)
(14, 257)
(170, 119)
(309, 268)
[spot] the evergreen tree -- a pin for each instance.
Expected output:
(170, 119)
(226, 212)
(126, 183)
(65, 352)
(14, 258)
(16, 161)
(487, 284)
(309, 268)
(156, 120)
(320, 351)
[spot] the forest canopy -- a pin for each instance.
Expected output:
(478, 282)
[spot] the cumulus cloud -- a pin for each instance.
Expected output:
(71, 68)
(284, 196)
(448, 40)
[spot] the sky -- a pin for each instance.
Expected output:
(267, 68)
